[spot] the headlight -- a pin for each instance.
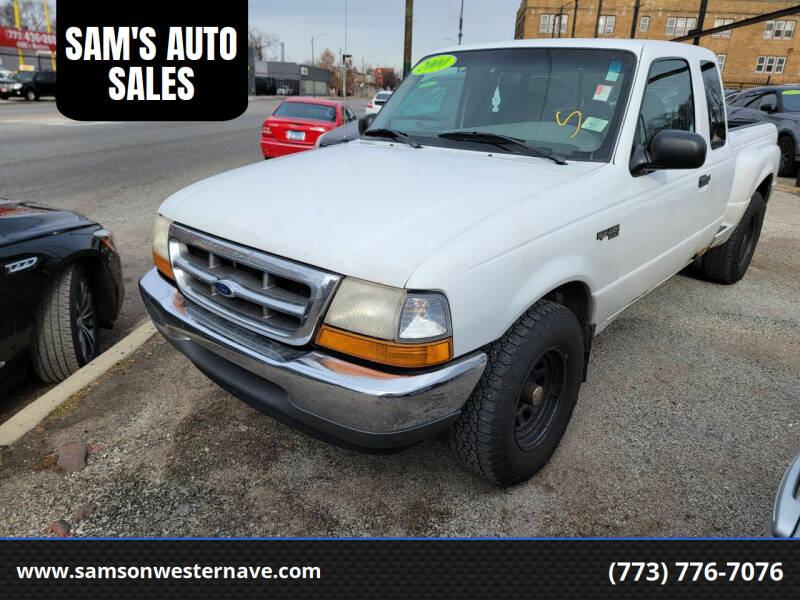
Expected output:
(388, 325)
(161, 246)
(17, 86)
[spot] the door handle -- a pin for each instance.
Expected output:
(704, 179)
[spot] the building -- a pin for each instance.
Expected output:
(748, 55)
(290, 79)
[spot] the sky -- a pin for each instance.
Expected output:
(375, 28)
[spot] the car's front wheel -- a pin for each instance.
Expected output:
(66, 336)
(514, 420)
(30, 96)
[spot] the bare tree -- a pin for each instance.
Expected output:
(31, 15)
(265, 45)
(327, 60)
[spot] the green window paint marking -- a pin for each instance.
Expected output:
(433, 64)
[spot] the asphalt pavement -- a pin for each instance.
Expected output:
(118, 174)
(684, 427)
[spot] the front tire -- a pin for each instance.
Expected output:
(514, 420)
(728, 262)
(66, 336)
(30, 96)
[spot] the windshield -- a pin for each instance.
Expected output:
(306, 110)
(791, 100)
(383, 96)
(561, 100)
(24, 76)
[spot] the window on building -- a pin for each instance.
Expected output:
(552, 23)
(644, 23)
(605, 24)
(720, 23)
(770, 64)
(671, 26)
(778, 30)
(721, 62)
(668, 101)
(715, 102)
(679, 26)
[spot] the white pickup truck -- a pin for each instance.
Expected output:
(535, 190)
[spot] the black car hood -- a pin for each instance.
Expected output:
(24, 220)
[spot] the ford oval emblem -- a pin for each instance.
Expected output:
(223, 289)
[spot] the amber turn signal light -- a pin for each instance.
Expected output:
(384, 352)
(162, 264)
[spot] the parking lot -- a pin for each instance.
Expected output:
(684, 427)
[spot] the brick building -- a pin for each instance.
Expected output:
(747, 56)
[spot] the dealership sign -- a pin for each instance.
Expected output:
(10, 37)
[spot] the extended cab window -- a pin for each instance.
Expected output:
(668, 102)
(715, 101)
(566, 101)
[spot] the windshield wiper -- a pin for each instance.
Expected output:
(482, 137)
(394, 134)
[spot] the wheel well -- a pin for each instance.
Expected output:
(765, 187)
(575, 296)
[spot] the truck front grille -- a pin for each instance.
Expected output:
(269, 295)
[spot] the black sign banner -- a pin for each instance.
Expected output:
(400, 568)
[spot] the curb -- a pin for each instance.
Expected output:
(33, 414)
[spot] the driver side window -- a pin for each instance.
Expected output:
(668, 102)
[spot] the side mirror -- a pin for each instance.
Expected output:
(364, 123)
(669, 149)
(768, 108)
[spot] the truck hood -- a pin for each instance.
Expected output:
(366, 209)
(21, 221)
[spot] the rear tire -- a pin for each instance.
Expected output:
(66, 333)
(787, 167)
(728, 263)
(514, 420)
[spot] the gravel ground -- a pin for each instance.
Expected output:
(688, 419)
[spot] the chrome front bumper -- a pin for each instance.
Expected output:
(336, 400)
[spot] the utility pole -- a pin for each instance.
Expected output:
(16, 24)
(407, 46)
(635, 19)
(344, 66)
(574, 18)
(282, 54)
(597, 22)
(460, 22)
(312, 51)
(700, 18)
(47, 18)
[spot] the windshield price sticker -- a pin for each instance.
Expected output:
(791, 92)
(433, 64)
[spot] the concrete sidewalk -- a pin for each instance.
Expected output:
(688, 419)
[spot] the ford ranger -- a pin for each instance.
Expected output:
(542, 186)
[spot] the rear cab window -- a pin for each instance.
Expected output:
(715, 102)
(306, 110)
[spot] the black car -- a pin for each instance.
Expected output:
(60, 281)
(30, 85)
(777, 104)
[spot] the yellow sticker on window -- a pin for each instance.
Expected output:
(433, 64)
(790, 92)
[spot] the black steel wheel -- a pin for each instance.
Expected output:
(539, 397)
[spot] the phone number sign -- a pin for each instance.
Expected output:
(10, 37)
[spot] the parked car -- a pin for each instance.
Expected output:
(30, 85)
(60, 282)
(779, 105)
(374, 105)
(530, 205)
(297, 122)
